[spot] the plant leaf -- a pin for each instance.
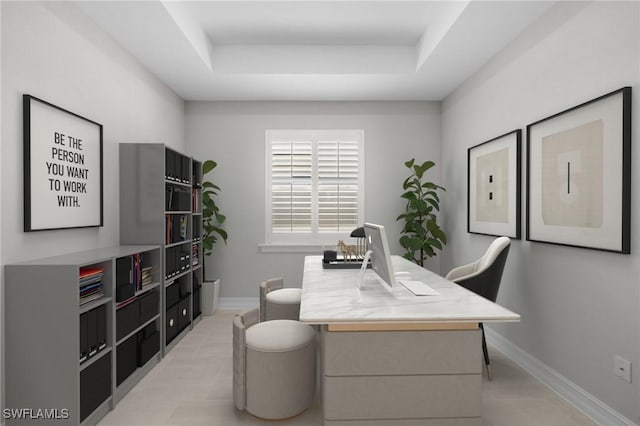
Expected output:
(433, 194)
(208, 165)
(210, 185)
(434, 243)
(429, 251)
(427, 165)
(409, 195)
(434, 203)
(409, 163)
(220, 218)
(418, 171)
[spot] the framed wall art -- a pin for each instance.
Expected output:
(493, 186)
(579, 175)
(62, 168)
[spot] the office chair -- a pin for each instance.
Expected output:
(483, 278)
(277, 302)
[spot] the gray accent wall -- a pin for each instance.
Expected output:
(233, 133)
(579, 307)
(52, 51)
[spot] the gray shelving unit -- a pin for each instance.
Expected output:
(197, 257)
(42, 332)
(135, 334)
(156, 187)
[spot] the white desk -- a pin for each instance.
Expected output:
(392, 358)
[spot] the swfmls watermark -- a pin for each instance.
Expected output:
(35, 413)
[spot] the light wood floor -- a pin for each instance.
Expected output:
(192, 386)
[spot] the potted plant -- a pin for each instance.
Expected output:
(421, 233)
(212, 232)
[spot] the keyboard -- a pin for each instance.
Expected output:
(418, 288)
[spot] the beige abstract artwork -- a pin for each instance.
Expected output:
(492, 187)
(572, 177)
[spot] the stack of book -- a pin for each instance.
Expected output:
(195, 260)
(146, 276)
(195, 200)
(91, 287)
(135, 274)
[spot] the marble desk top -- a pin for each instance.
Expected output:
(331, 296)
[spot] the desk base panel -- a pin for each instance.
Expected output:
(475, 421)
(384, 378)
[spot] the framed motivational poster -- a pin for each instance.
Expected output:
(62, 168)
(579, 175)
(493, 186)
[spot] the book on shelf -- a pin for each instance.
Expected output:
(169, 197)
(90, 271)
(184, 221)
(90, 297)
(125, 302)
(195, 201)
(147, 277)
(91, 287)
(136, 270)
(195, 259)
(176, 228)
(177, 198)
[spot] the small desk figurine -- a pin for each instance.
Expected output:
(347, 250)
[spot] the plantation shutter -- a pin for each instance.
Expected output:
(338, 185)
(291, 186)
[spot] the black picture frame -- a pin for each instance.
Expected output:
(62, 168)
(499, 215)
(589, 206)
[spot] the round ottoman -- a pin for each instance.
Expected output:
(283, 303)
(280, 368)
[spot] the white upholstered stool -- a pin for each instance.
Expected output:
(274, 366)
(277, 302)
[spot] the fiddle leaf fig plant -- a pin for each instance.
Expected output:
(421, 234)
(212, 219)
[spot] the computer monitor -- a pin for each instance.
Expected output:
(380, 254)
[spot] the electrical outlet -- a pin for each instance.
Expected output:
(622, 368)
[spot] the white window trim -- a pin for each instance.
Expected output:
(305, 242)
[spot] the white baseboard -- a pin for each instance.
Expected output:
(599, 412)
(238, 302)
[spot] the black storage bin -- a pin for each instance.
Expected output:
(102, 327)
(126, 360)
(125, 291)
(148, 304)
(173, 294)
(184, 288)
(197, 309)
(126, 319)
(148, 331)
(184, 314)
(171, 320)
(95, 386)
(148, 346)
(168, 262)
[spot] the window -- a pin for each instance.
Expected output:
(314, 185)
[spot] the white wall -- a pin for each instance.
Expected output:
(52, 51)
(233, 134)
(579, 307)
(1, 263)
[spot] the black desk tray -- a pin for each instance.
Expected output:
(342, 264)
